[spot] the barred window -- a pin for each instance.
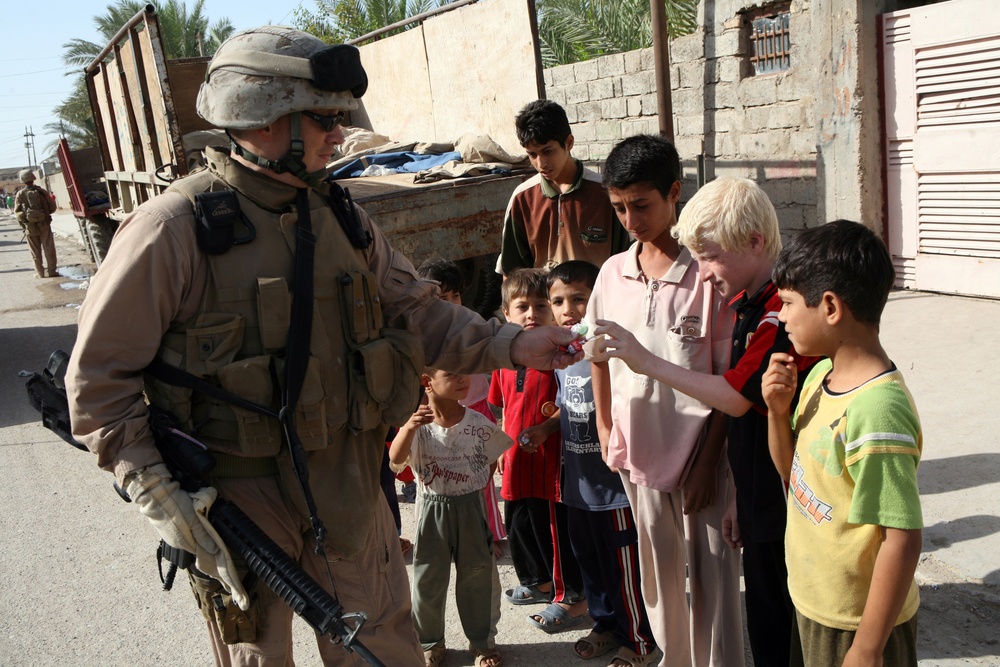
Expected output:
(770, 39)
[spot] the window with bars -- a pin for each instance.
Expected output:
(770, 41)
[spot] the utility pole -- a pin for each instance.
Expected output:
(28, 136)
(29, 144)
(661, 60)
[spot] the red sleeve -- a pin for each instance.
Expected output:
(748, 374)
(495, 396)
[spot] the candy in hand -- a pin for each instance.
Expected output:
(580, 329)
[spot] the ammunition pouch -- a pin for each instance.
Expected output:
(217, 606)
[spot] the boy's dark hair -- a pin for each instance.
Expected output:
(842, 257)
(443, 271)
(574, 271)
(542, 121)
(643, 158)
(524, 283)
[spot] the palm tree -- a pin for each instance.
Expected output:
(76, 122)
(575, 30)
(184, 35)
(337, 21)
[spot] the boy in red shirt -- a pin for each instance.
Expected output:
(536, 525)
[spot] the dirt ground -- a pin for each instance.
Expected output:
(79, 584)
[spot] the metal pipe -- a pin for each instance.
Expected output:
(412, 19)
(661, 62)
(132, 22)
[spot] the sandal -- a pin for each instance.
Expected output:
(595, 644)
(554, 619)
(434, 656)
(488, 658)
(626, 657)
(405, 546)
(527, 595)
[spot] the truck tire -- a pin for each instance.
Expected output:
(482, 286)
(100, 229)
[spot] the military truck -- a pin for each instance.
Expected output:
(150, 134)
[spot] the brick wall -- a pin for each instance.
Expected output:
(759, 127)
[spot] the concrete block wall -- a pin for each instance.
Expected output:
(759, 127)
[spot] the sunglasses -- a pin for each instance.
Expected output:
(326, 122)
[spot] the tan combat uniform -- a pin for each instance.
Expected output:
(157, 294)
(40, 240)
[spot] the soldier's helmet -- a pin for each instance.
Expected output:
(262, 74)
(26, 176)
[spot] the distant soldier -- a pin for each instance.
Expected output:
(34, 208)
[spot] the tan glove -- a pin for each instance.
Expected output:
(219, 566)
(173, 514)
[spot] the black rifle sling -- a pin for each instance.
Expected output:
(297, 354)
(172, 375)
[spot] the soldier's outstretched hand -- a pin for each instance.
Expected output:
(544, 348)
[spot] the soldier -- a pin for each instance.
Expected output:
(34, 207)
(213, 277)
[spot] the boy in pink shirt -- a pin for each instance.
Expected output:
(669, 448)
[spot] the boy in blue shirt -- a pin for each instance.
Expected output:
(849, 452)
(601, 528)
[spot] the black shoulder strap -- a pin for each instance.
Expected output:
(172, 375)
(342, 206)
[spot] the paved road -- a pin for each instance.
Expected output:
(78, 582)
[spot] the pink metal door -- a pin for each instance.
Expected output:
(942, 150)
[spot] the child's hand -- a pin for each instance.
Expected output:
(613, 340)
(423, 415)
(532, 438)
(779, 383)
(730, 527)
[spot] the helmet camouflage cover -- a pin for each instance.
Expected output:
(26, 176)
(259, 75)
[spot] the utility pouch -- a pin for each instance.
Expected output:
(217, 606)
(216, 215)
(34, 215)
(385, 364)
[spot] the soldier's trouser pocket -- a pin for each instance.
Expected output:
(217, 606)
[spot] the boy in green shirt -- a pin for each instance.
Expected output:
(849, 454)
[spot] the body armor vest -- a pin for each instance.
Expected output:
(360, 375)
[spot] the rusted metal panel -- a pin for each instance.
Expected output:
(159, 129)
(456, 219)
(146, 156)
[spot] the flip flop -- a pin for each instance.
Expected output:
(633, 659)
(556, 619)
(598, 642)
(434, 656)
(492, 655)
(527, 595)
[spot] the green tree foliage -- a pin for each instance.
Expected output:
(76, 123)
(184, 33)
(337, 21)
(575, 30)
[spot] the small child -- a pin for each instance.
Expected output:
(451, 449)
(563, 212)
(545, 566)
(849, 454)
(601, 528)
(449, 276)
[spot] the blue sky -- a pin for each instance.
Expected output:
(33, 80)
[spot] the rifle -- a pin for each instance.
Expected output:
(190, 464)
